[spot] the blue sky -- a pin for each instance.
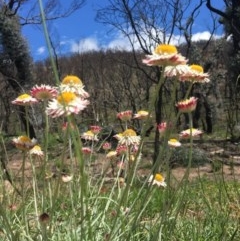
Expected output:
(80, 32)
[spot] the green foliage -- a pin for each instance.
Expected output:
(65, 193)
(15, 47)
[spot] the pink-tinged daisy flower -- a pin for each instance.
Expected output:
(44, 92)
(111, 155)
(86, 150)
(89, 136)
(129, 137)
(141, 115)
(121, 149)
(188, 105)
(72, 83)
(106, 146)
(195, 74)
(65, 104)
(24, 100)
(125, 115)
(164, 55)
(174, 143)
(186, 134)
(178, 70)
(36, 151)
(162, 127)
(24, 143)
(157, 179)
(95, 129)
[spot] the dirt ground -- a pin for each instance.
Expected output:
(224, 159)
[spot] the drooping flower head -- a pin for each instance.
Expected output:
(66, 178)
(158, 180)
(129, 137)
(65, 104)
(106, 146)
(186, 134)
(188, 105)
(36, 151)
(87, 150)
(163, 127)
(174, 143)
(177, 70)
(195, 74)
(95, 129)
(125, 115)
(24, 100)
(72, 83)
(44, 92)
(121, 149)
(89, 136)
(164, 55)
(141, 115)
(24, 143)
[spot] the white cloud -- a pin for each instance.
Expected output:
(120, 42)
(41, 50)
(205, 35)
(84, 45)
(201, 36)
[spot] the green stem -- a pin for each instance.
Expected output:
(43, 18)
(188, 90)
(23, 190)
(152, 102)
(191, 139)
(75, 135)
(35, 189)
(23, 175)
(45, 150)
(27, 120)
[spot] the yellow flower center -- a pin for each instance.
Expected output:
(66, 98)
(37, 148)
(158, 177)
(24, 139)
(71, 79)
(129, 132)
(166, 49)
(24, 96)
(142, 112)
(89, 133)
(197, 68)
(173, 140)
